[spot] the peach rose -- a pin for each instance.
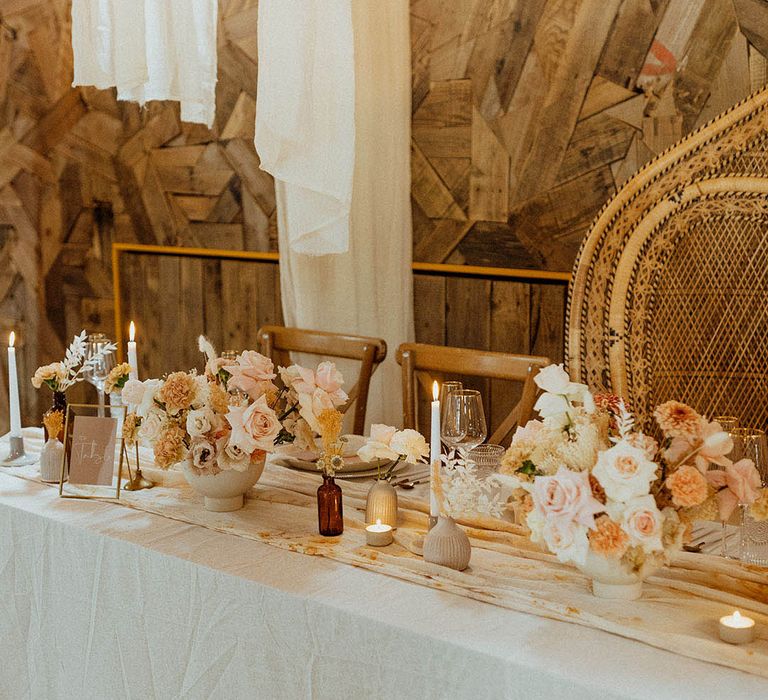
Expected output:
(642, 521)
(609, 540)
(687, 486)
(567, 497)
(254, 427)
(252, 374)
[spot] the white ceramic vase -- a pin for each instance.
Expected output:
(610, 579)
(447, 544)
(50, 460)
(223, 492)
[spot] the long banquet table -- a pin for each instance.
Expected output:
(104, 601)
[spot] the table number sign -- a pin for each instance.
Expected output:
(90, 443)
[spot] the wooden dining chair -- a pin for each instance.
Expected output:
(276, 342)
(418, 360)
(668, 296)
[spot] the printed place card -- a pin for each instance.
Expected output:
(92, 457)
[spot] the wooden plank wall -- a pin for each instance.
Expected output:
(526, 117)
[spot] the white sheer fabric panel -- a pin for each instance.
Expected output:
(367, 290)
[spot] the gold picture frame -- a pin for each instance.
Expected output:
(112, 442)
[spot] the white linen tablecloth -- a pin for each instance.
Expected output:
(101, 601)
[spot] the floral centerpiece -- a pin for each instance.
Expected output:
(225, 421)
(610, 499)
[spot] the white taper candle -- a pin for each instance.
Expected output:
(133, 360)
(13, 388)
(434, 454)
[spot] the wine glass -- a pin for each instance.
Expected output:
(96, 373)
(446, 389)
(463, 427)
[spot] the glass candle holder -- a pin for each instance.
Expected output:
(487, 458)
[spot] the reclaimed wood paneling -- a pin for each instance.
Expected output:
(526, 118)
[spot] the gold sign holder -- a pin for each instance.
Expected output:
(71, 414)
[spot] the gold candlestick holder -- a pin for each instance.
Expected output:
(136, 480)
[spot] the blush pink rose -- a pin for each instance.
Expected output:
(254, 427)
(567, 497)
(328, 378)
(739, 483)
(253, 373)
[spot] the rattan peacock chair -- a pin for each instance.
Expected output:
(669, 297)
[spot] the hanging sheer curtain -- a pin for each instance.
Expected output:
(368, 289)
(149, 50)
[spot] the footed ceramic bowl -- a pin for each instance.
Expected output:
(223, 492)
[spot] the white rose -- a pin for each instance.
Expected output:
(200, 422)
(553, 379)
(566, 540)
(641, 520)
(151, 425)
(147, 403)
(552, 405)
(624, 471)
(411, 444)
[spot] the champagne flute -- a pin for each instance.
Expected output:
(751, 443)
(464, 427)
(96, 372)
(729, 424)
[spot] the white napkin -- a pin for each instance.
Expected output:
(305, 117)
(149, 50)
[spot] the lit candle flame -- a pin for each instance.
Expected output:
(378, 522)
(736, 615)
(435, 391)
(11, 339)
(132, 332)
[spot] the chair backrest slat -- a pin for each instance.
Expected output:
(417, 360)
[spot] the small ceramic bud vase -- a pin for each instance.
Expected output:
(447, 544)
(50, 460)
(381, 504)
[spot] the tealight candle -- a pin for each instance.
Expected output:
(737, 628)
(378, 535)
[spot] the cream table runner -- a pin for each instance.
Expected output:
(678, 612)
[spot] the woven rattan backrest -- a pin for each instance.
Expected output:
(669, 297)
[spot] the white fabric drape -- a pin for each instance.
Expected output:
(149, 50)
(367, 290)
(305, 125)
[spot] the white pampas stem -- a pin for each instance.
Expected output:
(206, 347)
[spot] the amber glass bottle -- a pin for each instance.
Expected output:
(330, 514)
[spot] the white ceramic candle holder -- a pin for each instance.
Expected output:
(16, 456)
